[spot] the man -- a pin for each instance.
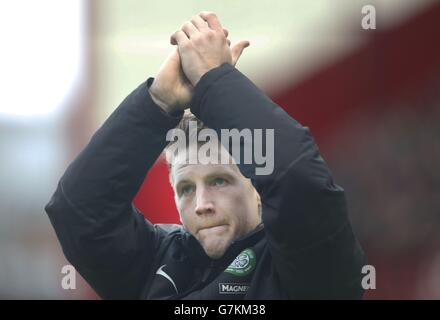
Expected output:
(296, 242)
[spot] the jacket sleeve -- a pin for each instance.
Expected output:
(304, 212)
(107, 240)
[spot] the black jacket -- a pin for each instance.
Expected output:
(305, 247)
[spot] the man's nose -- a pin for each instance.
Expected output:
(204, 203)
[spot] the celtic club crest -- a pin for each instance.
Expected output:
(243, 264)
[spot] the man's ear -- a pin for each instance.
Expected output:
(258, 198)
(260, 209)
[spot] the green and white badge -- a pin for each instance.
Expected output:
(243, 264)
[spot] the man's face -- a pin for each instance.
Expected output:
(217, 204)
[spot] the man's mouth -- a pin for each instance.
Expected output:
(214, 228)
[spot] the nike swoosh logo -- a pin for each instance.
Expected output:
(163, 274)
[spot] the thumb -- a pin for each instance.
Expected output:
(237, 50)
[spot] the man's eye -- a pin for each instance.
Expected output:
(219, 182)
(187, 189)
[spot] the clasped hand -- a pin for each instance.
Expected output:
(202, 45)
